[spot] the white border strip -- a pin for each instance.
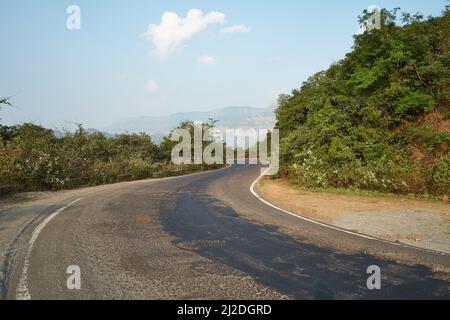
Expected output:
(360, 235)
(22, 291)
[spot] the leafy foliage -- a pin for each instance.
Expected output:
(379, 118)
(33, 158)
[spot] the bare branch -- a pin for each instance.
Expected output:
(5, 100)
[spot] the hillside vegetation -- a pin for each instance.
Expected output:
(33, 158)
(379, 118)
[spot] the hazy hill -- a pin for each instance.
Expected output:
(230, 117)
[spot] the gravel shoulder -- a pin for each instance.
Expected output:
(421, 223)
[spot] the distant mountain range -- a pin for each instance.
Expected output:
(228, 118)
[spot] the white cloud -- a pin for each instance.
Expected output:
(151, 86)
(240, 28)
(206, 59)
(173, 29)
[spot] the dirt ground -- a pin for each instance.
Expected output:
(422, 223)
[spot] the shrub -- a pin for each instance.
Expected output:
(441, 175)
(376, 119)
(33, 158)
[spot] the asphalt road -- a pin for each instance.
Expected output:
(203, 236)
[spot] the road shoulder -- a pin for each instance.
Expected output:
(420, 223)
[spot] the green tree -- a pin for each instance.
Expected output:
(377, 118)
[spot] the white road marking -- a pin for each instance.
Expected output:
(22, 291)
(252, 190)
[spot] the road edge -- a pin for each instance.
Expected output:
(22, 290)
(326, 225)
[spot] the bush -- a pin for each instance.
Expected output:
(441, 175)
(376, 119)
(32, 158)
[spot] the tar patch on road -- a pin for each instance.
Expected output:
(303, 271)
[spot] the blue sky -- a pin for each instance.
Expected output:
(112, 68)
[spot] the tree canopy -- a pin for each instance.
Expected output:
(379, 118)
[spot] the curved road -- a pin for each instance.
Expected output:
(203, 236)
